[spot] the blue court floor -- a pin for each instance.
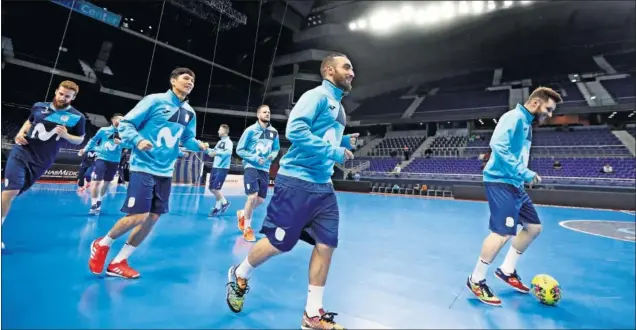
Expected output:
(402, 263)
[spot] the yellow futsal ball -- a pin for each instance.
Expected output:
(546, 289)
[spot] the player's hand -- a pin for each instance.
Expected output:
(353, 138)
(21, 138)
(144, 145)
(535, 181)
(80, 153)
(261, 161)
(117, 141)
(204, 146)
(212, 154)
(61, 131)
(348, 155)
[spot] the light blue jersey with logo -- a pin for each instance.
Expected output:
(510, 144)
(258, 142)
(108, 150)
(223, 151)
(315, 129)
(163, 120)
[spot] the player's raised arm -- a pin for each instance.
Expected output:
(500, 145)
(129, 125)
(299, 127)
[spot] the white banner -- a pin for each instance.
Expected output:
(233, 185)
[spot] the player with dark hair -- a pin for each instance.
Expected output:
(304, 205)
(258, 146)
(222, 154)
(154, 127)
(39, 140)
(106, 162)
(504, 177)
(86, 168)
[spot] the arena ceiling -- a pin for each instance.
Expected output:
(542, 29)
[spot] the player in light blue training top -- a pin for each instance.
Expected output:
(106, 162)
(222, 154)
(504, 177)
(154, 128)
(258, 146)
(304, 204)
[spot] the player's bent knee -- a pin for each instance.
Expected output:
(533, 229)
(260, 200)
(324, 249)
(154, 216)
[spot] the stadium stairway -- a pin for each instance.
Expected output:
(628, 140)
(372, 142)
(419, 152)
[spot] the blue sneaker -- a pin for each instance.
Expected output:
(216, 211)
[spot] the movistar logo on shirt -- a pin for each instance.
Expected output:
(166, 138)
(110, 146)
(42, 134)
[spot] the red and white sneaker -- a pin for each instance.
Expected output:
(121, 269)
(98, 257)
(513, 280)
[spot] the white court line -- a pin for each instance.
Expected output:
(562, 224)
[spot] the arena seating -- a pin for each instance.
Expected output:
(592, 142)
(466, 99)
(399, 142)
(623, 62)
(380, 164)
(622, 90)
(389, 104)
(579, 164)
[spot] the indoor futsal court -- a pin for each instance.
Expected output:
(402, 263)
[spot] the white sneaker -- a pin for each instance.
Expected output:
(3, 245)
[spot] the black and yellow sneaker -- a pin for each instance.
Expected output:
(237, 288)
(483, 292)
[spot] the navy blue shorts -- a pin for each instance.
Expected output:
(509, 206)
(147, 193)
(217, 178)
(256, 181)
(21, 173)
(301, 210)
(89, 173)
(104, 170)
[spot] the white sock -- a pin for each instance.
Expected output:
(218, 204)
(106, 241)
(94, 200)
(314, 300)
(244, 269)
(479, 273)
(99, 198)
(3, 220)
(223, 201)
(509, 264)
(248, 222)
(125, 252)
